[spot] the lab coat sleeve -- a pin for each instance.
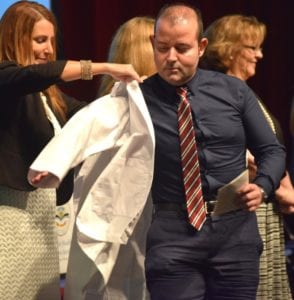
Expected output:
(95, 128)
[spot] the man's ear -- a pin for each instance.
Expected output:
(202, 46)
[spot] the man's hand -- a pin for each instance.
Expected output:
(250, 196)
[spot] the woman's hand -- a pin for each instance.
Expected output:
(286, 209)
(38, 178)
(123, 72)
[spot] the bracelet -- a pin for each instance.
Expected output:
(86, 70)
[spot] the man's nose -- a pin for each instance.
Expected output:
(172, 54)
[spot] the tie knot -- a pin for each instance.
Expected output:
(182, 91)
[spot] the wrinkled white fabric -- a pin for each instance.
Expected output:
(111, 144)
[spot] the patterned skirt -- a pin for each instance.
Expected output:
(273, 282)
(28, 245)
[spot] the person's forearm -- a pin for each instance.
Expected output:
(86, 69)
(285, 193)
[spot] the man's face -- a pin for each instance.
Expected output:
(177, 50)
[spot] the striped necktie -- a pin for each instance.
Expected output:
(190, 165)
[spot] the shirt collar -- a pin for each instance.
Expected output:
(170, 90)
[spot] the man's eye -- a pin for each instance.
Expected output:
(182, 49)
(162, 49)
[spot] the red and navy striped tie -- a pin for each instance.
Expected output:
(190, 164)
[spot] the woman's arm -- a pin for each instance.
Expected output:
(285, 195)
(74, 70)
(16, 80)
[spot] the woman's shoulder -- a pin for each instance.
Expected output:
(6, 64)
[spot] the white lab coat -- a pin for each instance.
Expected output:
(111, 144)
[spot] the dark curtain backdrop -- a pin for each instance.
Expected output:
(86, 29)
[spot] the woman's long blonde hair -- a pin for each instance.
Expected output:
(131, 45)
(16, 27)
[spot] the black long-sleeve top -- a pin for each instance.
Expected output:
(24, 127)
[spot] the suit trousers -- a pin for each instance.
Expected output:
(219, 262)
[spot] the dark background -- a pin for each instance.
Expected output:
(87, 27)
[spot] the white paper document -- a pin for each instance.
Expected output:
(227, 198)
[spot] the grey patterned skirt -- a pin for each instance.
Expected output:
(273, 282)
(28, 245)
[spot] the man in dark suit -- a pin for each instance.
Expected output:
(216, 256)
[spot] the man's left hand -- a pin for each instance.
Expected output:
(250, 196)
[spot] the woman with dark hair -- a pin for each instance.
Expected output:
(33, 110)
